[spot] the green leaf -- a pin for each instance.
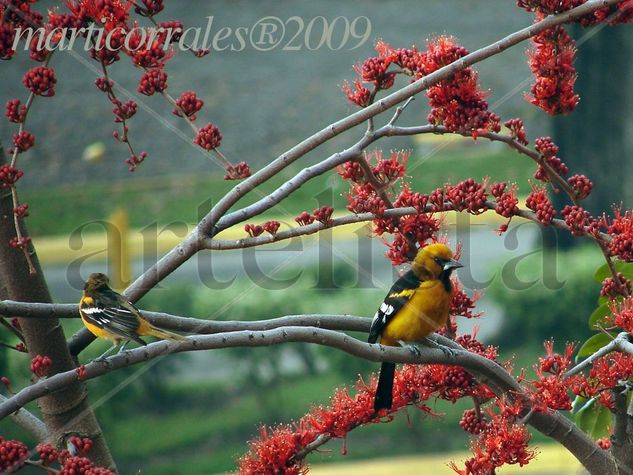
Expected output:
(593, 344)
(603, 271)
(579, 403)
(594, 419)
(597, 316)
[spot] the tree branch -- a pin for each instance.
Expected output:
(207, 225)
(29, 422)
(551, 424)
(619, 343)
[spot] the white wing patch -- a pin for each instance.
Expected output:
(91, 310)
(386, 309)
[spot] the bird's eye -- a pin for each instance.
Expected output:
(438, 261)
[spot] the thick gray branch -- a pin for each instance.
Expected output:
(29, 422)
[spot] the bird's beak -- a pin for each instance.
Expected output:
(452, 264)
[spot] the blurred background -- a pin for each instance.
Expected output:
(88, 213)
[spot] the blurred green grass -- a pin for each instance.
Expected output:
(187, 198)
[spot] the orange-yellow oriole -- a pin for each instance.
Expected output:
(417, 305)
(109, 315)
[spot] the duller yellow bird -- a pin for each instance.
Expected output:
(416, 306)
(109, 315)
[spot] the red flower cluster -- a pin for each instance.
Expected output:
(23, 141)
(13, 454)
(274, 450)
(605, 374)
(123, 112)
(360, 95)
(581, 185)
(612, 290)
(271, 227)
(152, 81)
(539, 202)
(472, 422)
(15, 111)
(323, 214)
(188, 103)
(462, 305)
(622, 314)
(502, 441)
(237, 172)
(304, 219)
(82, 445)
(468, 195)
(135, 160)
(576, 218)
(7, 36)
(9, 175)
(457, 103)
(549, 7)
(253, 230)
(21, 212)
(552, 63)
(41, 365)
(389, 169)
(517, 130)
(621, 230)
(363, 198)
(209, 137)
(40, 81)
(47, 453)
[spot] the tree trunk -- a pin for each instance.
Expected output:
(597, 138)
(67, 411)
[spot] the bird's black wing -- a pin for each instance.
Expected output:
(399, 294)
(114, 316)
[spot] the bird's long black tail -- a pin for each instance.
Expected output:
(384, 389)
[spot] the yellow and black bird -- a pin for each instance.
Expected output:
(417, 305)
(109, 315)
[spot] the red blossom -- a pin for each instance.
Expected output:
(362, 198)
(551, 63)
(7, 36)
(23, 141)
(149, 7)
(188, 103)
(135, 160)
(612, 290)
(47, 453)
(374, 70)
(360, 95)
(473, 423)
(323, 214)
(237, 172)
(81, 445)
(518, 130)
(621, 230)
(103, 84)
(457, 103)
(622, 314)
(40, 81)
(15, 111)
(604, 443)
(462, 304)
(209, 137)
(388, 170)
(271, 227)
(41, 365)
(581, 185)
(539, 202)
(153, 81)
(436, 198)
(123, 112)
(21, 211)
(20, 243)
(351, 170)
(304, 219)
(576, 218)
(468, 195)
(13, 454)
(9, 175)
(549, 7)
(253, 230)
(175, 28)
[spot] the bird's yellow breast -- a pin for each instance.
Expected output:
(425, 312)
